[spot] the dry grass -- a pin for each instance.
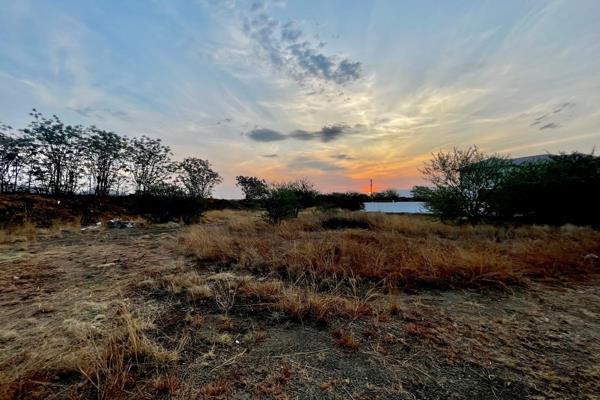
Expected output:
(219, 389)
(105, 362)
(126, 315)
(399, 250)
(28, 232)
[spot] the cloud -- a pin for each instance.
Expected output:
(224, 121)
(328, 133)
(287, 49)
(551, 125)
(342, 157)
(266, 135)
(547, 120)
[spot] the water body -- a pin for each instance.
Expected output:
(397, 207)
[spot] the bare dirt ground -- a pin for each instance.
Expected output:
(63, 296)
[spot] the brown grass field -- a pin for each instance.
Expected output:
(332, 305)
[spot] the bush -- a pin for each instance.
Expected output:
(284, 200)
(562, 189)
(348, 201)
(281, 202)
(468, 185)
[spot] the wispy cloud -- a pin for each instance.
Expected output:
(549, 119)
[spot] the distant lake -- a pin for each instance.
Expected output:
(406, 207)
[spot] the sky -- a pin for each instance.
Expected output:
(336, 91)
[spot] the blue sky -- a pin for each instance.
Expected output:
(335, 91)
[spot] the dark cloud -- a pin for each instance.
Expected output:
(286, 48)
(342, 157)
(266, 135)
(327, 133)
(270, 155)
(332, 132)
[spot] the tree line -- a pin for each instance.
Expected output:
(51, 157)
(469, 185)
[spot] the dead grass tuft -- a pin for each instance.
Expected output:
(218, 389)
(165, 384)
(345, 340)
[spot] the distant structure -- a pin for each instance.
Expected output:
(531, 159)
(396, 207)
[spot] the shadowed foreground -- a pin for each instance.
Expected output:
(342, 305)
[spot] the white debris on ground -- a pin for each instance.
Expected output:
(94, 227)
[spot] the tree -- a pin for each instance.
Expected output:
(558, 189)
(254, 188)
(148, 161)
(281, 202)
(105, 152)
(386, 195)
(285, 200)
(198, 177)
(8, 156)
(59, 152)
(463, 182)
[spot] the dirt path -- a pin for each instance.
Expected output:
(539, 342)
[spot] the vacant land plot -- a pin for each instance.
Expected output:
(329, 305)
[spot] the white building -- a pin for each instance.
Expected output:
(396, 207)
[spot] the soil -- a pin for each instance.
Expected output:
(542, 341)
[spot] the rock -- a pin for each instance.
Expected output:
(120, 224)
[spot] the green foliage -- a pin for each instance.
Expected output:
(348, 201)
(281, 203)
(254, 188)
(285, 200)
(468, 185)
(386, 195)
(564, 188)
(462, 183)
(197, 177)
